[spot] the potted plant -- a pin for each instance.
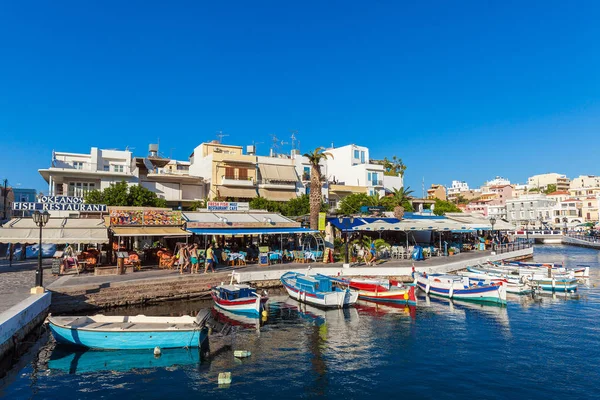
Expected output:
(426, 252)
(452, 250)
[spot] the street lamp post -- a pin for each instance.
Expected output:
(493, 222)
(345, 225)
(40, 219)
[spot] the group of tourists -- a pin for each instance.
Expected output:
(188, 257)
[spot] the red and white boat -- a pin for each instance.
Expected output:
(383, 290)
(238, 298)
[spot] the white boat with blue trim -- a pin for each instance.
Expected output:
(461, 288)
(129, 332)
(317, 290)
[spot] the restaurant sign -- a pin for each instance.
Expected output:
(227, 206)
(59, 203)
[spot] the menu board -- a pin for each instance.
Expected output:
(126, 217)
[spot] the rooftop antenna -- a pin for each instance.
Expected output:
(423, 187)
(221, 135)
(275, 145)
(293, 137)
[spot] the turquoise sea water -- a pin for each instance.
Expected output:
(532, 349)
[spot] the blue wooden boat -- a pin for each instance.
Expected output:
(317, 290)
(129, 332)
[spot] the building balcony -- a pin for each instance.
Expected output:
(271, 184)
(238, 181)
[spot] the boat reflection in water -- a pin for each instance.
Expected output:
(463, 310)
(244, 321)
(70, 360)
(382, 309)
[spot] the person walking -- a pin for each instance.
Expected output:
(194, 258)
(373, 254)
(184, 258)
(209, 259)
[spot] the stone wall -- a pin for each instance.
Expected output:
(142, 291)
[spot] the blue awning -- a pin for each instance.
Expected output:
(248, 231)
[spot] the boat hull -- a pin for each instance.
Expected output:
(123, 340)
(250, 306)
(398, 295)
(491, 294)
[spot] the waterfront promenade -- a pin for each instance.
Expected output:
(18, 279)
(88, 292)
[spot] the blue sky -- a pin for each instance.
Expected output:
(458, 90)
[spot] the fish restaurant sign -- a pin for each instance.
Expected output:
(59, 203)
(227, 206)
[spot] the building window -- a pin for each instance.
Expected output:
(106, 167)
(306, 174)
(332, 203)
(78, 164)
(117, 168)
(243, 174)
(79, 189)
(356, 154)
(362, 157)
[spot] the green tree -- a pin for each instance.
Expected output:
(352, 203)
(316, 197)
(198, 204)
(117, 194)
(442, 207)
(403, 197)
(298, 206)
(551, 188)
(260, 203)
(120, 194)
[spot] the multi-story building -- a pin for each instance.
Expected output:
(570, 210)
(24, 196)
(585, 181)
(227, 171)
(457, 187)
(589, 208)
(74, 174)
(534, 208)
(460, 191)
(480, 206)
(558, 196)
(542, 181)
(7, 197)
(436, 192)
(352, 171)
(519, 190)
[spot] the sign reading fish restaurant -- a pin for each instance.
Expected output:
(59, 203)
(226, 206)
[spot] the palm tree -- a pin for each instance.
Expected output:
(403, 194)
(316, 198)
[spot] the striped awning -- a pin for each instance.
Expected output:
(133, 231)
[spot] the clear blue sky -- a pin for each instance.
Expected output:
(459, 90)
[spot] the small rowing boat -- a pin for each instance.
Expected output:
(580, 271)
(317, 290)
(514, 285)
(238, 298)
(129, 332)
(461, 288)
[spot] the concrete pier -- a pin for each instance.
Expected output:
(588, 243)
(19, 321)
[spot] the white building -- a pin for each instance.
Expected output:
(74, 174)
(352, 166)
(457, 188)
(535, 208)
(498, 181)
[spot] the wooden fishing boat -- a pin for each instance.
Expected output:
(317, 290)
(580, 271)
(129, 332)
(514, 285)
(383, 291)
(238, 298)
(461, 288)
(557, 282)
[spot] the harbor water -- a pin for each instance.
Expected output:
(535, 348)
